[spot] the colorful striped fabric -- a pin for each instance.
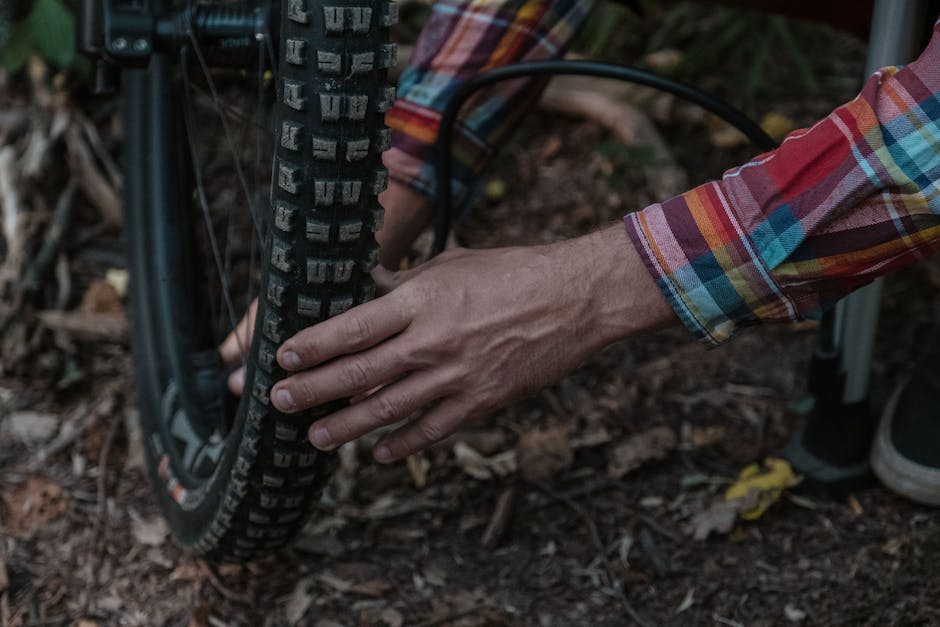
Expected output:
(786, 235)
(461, 39)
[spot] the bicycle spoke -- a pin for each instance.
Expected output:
(192, 139)
(197, 50)
(268, 40)
(204, 99)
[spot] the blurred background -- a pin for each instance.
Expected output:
(578, 506)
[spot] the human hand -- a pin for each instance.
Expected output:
(464, 335)
(406, 214)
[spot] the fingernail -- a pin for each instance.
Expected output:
(383, 454)
(236, 382)
(283, 399)
(290, 360)
(320, 438)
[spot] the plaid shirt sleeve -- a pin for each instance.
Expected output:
(786, 235)
(461, 39)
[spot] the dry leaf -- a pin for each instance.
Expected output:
(30, 505)
(229, 570)
(199, 616)
(495, 190)
(551, 147)
(435, 576)
(299, 602)
(484, 468)
(337, 583)
(793, 613)
(31, 427)
(592, 438)
(371, 587)
(629, 454)
(767, 480)
(418, 468)
(150, 532)
(664, 60)
(719, 517)
(702, 437)
(855, 506)
(893, 546)
(777, 125)
(392, 617)
(101, 297)
(118, 278)
(543, 452)
(187, 571)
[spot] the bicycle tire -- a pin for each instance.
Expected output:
(319, 250)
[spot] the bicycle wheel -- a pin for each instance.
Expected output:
(234, 477)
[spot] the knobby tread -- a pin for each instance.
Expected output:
(332, 96)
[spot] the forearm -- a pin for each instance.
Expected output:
(461, 39)
(619, 297)
(785, 236)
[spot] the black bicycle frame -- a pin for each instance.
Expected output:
(120, 35)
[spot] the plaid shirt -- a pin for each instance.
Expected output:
(780, 238)
(461, 39)
(785, 236)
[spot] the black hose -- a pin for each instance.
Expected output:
(726, 112)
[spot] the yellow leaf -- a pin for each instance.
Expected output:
(777, 125)
(495, 190)
(769, 480)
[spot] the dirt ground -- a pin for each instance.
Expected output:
(536, 516)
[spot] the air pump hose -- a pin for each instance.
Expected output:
(726, 112)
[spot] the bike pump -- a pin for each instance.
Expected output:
(831, 449)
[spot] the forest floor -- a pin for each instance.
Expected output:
(574, 507)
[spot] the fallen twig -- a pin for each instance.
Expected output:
(63, 277)
(612, 581)
(102, 517)
(659, 561)
(36, 272)
(658, 528)
(91, 326)
(94, 184)
(11, 209)
(79, 421)
(500, 518)
(625, 121)
(216, 582)
(591, 487)
(111, 168)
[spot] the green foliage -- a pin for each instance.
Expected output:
(607, 22)
(626, 156)
(740, 53)
(49, 31)
(769, 48)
